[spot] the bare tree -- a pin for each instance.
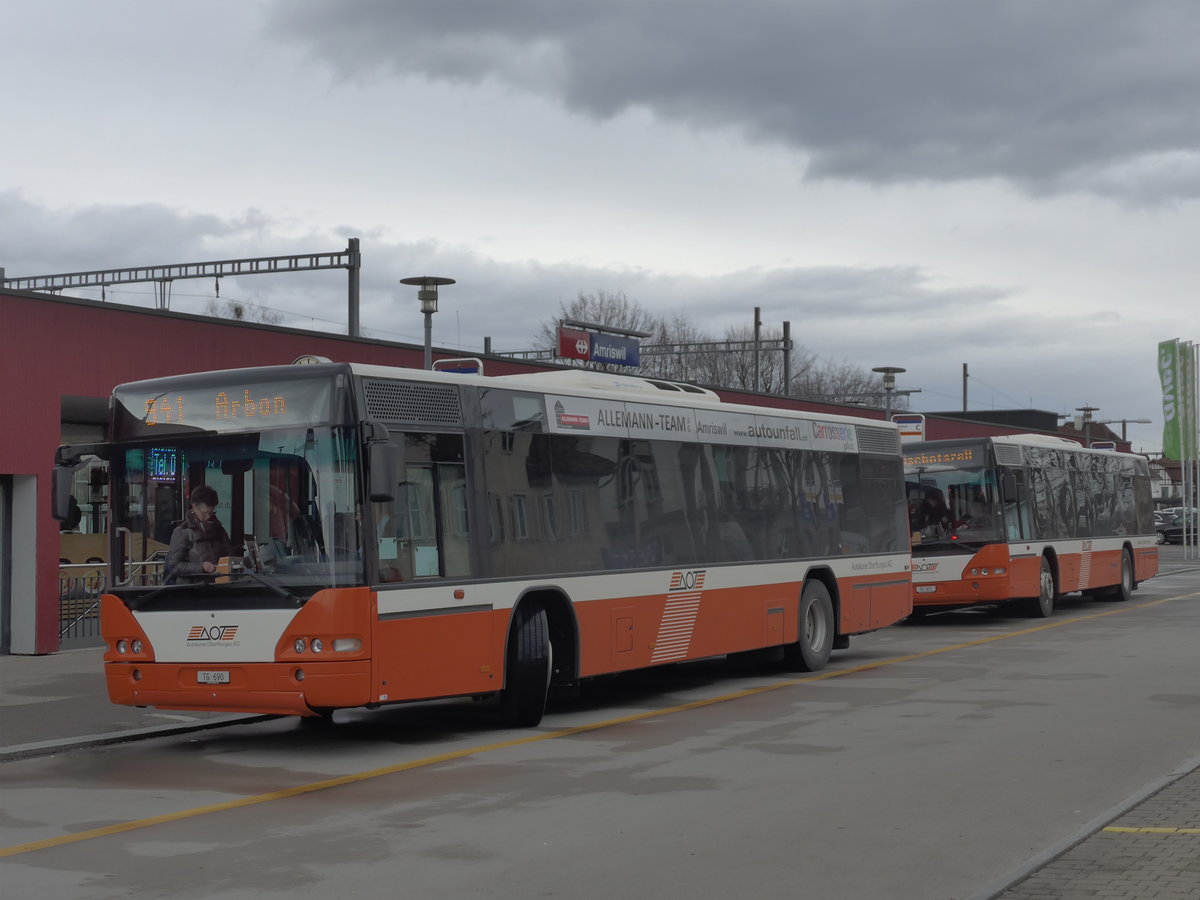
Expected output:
(843, 382)
(612, 310)
(690, 366)
(702, 359)
(242, 311)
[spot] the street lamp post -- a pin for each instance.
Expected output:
(428, 295)
(889, 374)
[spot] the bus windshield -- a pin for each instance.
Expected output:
(286, 497)
(950, 507)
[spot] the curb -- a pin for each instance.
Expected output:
(1000, 887)
(49, 748)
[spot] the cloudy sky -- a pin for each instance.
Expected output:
(916, 183)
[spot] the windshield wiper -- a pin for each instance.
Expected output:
(141, 600)
(277, 588)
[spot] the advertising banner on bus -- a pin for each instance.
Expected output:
(575, 415)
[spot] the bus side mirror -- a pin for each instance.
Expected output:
(387, 471)
(60, 491)
(1008, 487)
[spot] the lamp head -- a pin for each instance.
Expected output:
(427, 295)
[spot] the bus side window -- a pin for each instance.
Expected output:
(1016, 505)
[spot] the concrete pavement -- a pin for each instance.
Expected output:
(1146, 847)
(58, 702)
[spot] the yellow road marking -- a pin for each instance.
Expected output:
(120, 828)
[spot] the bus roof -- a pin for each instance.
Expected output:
(1049, 441)
(584, 383)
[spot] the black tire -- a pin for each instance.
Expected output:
(527, 669)
(811, 651)
(1042, 606)
(1123, 591)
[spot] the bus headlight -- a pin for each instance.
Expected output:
(318, 645)
(346, 645)
(300, 646)
(122, 646)
(136, 646)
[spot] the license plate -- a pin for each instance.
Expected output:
(211, 676)
(926, 588)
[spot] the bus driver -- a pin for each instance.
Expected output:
(199, 541)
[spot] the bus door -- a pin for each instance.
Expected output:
(423, 532)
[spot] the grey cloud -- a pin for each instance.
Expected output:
(1067, 96)
(40, 241)
(870, 316)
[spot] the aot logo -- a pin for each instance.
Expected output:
(692, 580)
(212, 633)
(926, 567)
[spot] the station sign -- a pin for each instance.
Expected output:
(591, 346)
(574, 344)
(615, 350)
(464, 366)
(912, 427)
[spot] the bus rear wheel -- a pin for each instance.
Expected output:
(527, 671)
(1042, 606)
(817, 629)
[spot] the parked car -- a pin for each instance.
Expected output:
(1171, 531)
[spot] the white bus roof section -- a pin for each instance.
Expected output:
(602, 385)
(1040, 440)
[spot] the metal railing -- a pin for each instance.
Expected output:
(79, 590)
(80, 586)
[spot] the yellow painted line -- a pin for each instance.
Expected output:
(357, 777)
(1120, 830)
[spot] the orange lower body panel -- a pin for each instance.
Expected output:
(1020, 575)
(271, 688)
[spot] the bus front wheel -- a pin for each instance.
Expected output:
(1042, 606)
(527, 671)
(817, 629)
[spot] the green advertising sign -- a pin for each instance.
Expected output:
(1168, 375)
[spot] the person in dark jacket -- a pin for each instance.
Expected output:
(199, 541)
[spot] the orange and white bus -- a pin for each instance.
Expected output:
(1026, 518)
(405, 535)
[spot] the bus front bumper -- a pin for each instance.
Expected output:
(961, 593)
(266, 688)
